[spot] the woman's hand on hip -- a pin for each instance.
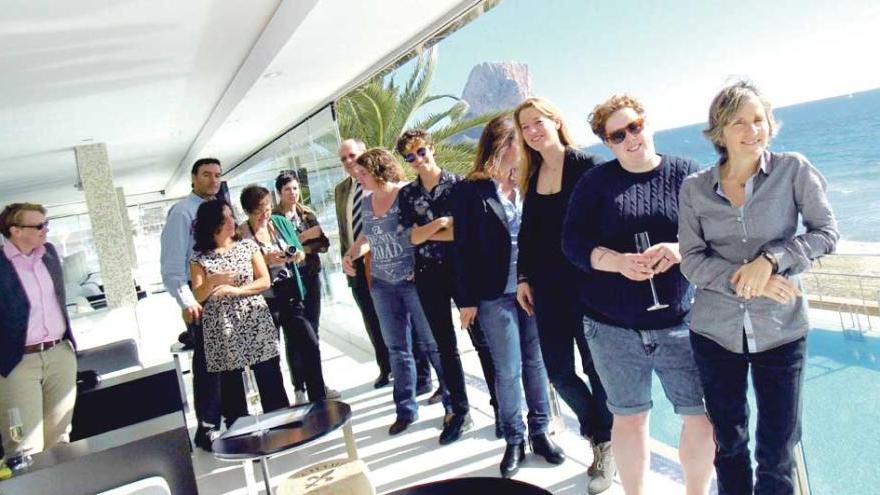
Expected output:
(468, 316)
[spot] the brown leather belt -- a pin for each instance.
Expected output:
(42, 346)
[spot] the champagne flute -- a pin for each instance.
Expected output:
(643, 242)
(252, 394)
(21, 458)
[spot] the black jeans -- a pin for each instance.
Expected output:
(206, 385)
(360, 290)
(777, 377)
(312, 301)
(269, 382)
(560, 326)
(301, 345)
(434, 284)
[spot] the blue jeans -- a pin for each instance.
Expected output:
(625, 359)
(516, 352)
(777, 377)
(395, 304)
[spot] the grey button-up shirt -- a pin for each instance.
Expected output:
(177, 247)
(716, 238)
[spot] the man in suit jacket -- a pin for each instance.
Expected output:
(37, 351)
(348, 194)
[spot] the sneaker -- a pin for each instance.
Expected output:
(332, 394)
(457, 424)
(300, 398)
(604, 469)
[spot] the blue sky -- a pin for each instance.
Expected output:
(673, 56)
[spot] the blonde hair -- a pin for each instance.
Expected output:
(724, 107)
(600, 114)
(11, 215)
(532, 158)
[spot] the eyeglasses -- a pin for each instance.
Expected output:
(39, 226)
(635, 128)
(411, 157)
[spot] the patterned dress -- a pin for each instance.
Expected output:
(238, 330)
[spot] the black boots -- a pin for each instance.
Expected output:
(544, 447)
(514, 453)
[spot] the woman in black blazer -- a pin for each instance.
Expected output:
(487, 211)
(547, 281)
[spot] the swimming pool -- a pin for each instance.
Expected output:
(841, 417)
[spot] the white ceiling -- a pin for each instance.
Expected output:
(164, 82)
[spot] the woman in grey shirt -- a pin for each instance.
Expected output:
(740, 247)
(392, 286)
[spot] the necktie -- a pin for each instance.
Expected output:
(356, 221)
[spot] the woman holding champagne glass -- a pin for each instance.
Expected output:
(635, 299)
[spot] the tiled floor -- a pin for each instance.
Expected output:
(394, 462)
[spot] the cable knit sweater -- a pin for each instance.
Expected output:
(608, 207)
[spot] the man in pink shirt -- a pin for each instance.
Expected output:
(37, 358)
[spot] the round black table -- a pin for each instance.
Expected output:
(457, 486)
(322, 418)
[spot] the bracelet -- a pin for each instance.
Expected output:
(772, 259)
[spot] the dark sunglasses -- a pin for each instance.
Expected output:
(411, 157)
(39, 226)
(635, 128)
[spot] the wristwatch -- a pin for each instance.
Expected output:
(767, 255)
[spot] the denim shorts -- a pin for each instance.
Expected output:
(624, 359)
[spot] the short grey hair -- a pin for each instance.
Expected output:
(724, 107)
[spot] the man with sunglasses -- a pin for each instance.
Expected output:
(425, 206)
(37, 358)
(176, 249)
(630, 338)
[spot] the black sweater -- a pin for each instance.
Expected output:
(608, 207)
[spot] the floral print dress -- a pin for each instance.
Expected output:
(238, 330)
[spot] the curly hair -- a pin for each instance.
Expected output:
(410, 135)
(11, 215)
(251, 196)
(381, 165)
(209, 220)
(724, 107)
(600, 114)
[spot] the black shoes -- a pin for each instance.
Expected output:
(452, 429)
(514, 453)
(205, 436)
(544, 447)
(437, 397)
(399, 426)
(382, 380)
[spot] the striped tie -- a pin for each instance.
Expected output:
(356, 221)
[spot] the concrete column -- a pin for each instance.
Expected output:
(110, 226)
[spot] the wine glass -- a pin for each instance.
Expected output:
(643, 242)
(252, 394)
(21, 458)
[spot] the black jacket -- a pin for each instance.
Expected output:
(15, 308)
(482, 243)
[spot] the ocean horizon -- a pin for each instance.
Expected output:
(838, 135)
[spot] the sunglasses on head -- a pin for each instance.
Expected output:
(39, 226)
(411, 157)
(635, 128)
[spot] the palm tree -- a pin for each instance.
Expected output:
(378, 111)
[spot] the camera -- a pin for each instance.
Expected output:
(281, 274)
(290, 251)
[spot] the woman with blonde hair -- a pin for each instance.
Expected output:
(739, 240)
(551, 167)
(488, 210)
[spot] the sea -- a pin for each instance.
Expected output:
(841, 138)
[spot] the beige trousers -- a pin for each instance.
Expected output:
(43, 388)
